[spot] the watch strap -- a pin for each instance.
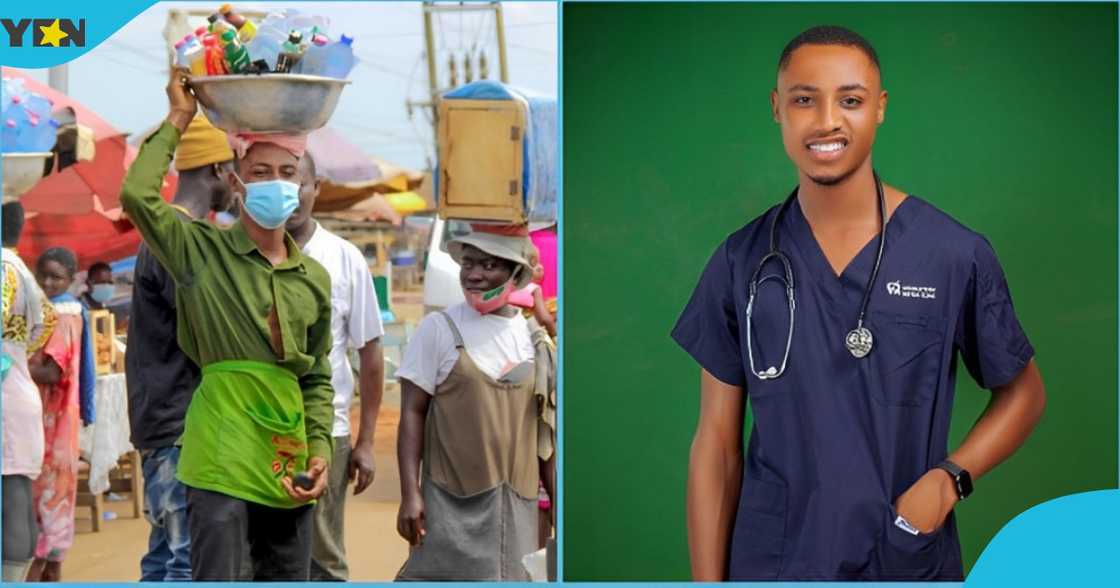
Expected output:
(962, 480)
(953, 469)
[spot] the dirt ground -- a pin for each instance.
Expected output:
(374, 550)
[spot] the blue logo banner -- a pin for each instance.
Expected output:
(34, 35)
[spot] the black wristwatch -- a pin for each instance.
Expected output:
(961, 478)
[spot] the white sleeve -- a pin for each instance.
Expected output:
(430, 354)
(365, 313)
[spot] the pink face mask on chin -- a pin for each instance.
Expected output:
(490, 300)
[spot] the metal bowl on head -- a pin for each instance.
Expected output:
(278, 103)
(21, 172)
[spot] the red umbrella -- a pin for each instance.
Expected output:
(79, 207)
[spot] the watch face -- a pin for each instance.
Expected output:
(964, 484)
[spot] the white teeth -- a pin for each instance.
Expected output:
(827, 147)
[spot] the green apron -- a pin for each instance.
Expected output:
(244, 432)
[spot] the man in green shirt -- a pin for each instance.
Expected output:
(254, 314)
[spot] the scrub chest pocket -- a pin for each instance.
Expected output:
(907, 358)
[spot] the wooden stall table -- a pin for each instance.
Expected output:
(110, 462)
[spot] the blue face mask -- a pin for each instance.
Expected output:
(270, 203)
(102, 293)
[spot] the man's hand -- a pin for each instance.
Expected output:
(928, 501)
(410, 520)
(362, 466)
(181, 101)
(317, 469)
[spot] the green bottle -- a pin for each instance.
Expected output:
(236, 53)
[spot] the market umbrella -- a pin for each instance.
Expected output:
(79, 207)
(351, 176)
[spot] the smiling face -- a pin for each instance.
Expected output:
(829, 102)
(481, 272)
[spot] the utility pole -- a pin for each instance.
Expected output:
(435, 87)
(58, 78)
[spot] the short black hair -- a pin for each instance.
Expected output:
(62, 256)
(829, 35)
(310, 161)
(12, 223)
(99, 266)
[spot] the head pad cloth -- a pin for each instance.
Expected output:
(294, 143)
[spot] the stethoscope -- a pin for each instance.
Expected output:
(859, 340)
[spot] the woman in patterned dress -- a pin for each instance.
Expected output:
(64, 370)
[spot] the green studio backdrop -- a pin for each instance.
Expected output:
(1004, 116)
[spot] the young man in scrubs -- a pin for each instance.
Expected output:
(254, 313)
(847, 473)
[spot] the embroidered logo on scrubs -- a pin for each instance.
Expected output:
(896, 288)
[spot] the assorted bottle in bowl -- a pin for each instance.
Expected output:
(27, 126)
(288, 41)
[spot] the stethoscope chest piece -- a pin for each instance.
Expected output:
(859, 342)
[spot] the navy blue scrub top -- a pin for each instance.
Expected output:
(836, 439)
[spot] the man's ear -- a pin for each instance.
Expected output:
(774, 105)
(882, 114)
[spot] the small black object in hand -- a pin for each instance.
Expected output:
(303, 480)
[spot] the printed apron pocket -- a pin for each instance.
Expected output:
(906, 358)
(904, 555)
(260, 448)
(758, 540)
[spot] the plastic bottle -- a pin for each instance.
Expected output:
(340, 58)
(180, 49)
(44, 135)
(266, 45)
(215, 60)
(9, 133)
(194, 57)
(305, 22)
(290, 53)
(314, 60)
(246, 30)
(237, 56)
(13, 92)
(218, 25)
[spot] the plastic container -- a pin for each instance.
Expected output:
(266, 45)
(43, 136)
(304, 23)
(218, 25)
(195, 59)
(290, 53)
(9, 133)
(180, 49)
(236, 55)
(215, 59)
(314, 59)
(246, 30)
(340, 59)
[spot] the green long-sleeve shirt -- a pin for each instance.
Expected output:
(226, 289)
